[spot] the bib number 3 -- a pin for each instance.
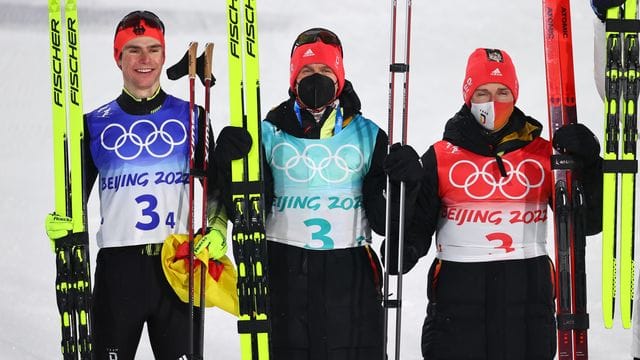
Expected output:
(150, 217)
(320, 239)
(506, 242)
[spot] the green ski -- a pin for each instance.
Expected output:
(248, 235)
(73, 279)
(613, 91)
(621, 95)
(628, 176)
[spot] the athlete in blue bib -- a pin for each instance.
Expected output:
(137, 154)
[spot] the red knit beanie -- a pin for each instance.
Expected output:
(316, 53)
(489, 66)
(126, 34)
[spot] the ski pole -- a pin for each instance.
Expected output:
(394, 68)
(193, 46)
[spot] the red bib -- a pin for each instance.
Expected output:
(487, 216)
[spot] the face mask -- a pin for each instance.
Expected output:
(492, 115)
(316, 91)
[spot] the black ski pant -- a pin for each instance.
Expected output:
(500, 310)
(130, 290)
(325, 305)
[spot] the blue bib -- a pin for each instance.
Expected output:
(143, 166)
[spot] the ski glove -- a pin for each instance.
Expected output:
(214, 241)
(181, 68)
(403, 164)
(410, 258)
(579, 141)
(233, 143)
(600, 7)
(57, 227)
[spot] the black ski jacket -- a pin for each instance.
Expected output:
(494, 310)
(284, 118)
(326, 304)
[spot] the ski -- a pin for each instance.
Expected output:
(620, 164)
(568, 196)
(613, 91)
(396, 68)
(248, 234)
(73, 271)
(628, 175)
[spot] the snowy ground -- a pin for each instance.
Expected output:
(444, 34)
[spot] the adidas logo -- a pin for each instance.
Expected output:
(496, 72)
(308, 53)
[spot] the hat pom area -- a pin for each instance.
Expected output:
(489, 66)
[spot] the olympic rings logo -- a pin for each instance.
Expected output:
(481, 184)
(317, 160)
(143, 134)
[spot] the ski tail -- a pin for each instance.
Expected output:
(255, 176)
(568, 196)
(248, 234)
(580, 274)
(579, 317)
(238, 174)
(613, 92)
(628, 156)
(620, 163)
(560, 193)
(73, 279)
(80, 256)
(64, 291)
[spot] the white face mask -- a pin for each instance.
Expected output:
(492, 115)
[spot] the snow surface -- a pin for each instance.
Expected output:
(444, 34)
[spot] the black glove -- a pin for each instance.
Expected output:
(600, 7)
(233, 143)
(409, 258)
(578, 140)
(181, 68)
(403, 164)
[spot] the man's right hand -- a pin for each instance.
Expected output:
(403, 164)
(57, 226)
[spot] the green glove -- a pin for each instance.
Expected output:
(214, 240)
(57, 226)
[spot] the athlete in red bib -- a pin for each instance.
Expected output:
(484, 191)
